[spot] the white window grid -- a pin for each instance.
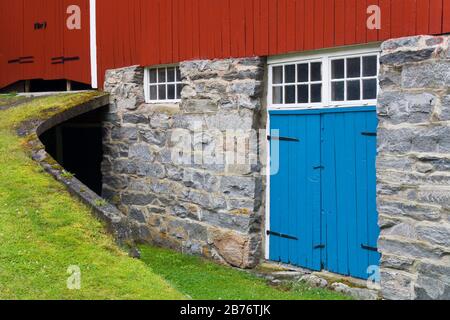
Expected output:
(346, 78)
(177, 82)
(326, 58)
(297, 83)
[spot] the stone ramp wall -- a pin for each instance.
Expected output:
(414, 168)
(210, 209)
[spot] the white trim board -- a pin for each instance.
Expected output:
(93, 42)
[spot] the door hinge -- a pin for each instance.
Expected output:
(369, 248)
(62, 60)
(283, 139)
(22, 60)
(281, 235)
(369, 134)
(318, 167)
(320, 246)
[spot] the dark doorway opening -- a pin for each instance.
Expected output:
(77, 146)
(39, 85)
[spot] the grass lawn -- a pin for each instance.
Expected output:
(204, 280)
(43, 231)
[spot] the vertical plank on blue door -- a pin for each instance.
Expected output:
(276, 197)
(285, 153)
(362, 192)
(314, 196)
(373, 229)
(350, 191)
(341, 200)
(302, 195)
(329, 191)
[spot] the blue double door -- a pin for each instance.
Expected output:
(323, 212)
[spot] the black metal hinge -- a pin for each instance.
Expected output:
(281, 235)
(320, 246)
(22, 60)
(369, 134)
(369, 248)
(283, 139)
(62, 60)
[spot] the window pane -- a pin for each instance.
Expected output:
(161, 75)
(337, 91)
(354, 68)
(316, 92)
(353, 90)
(170, 74)
(179, 88)
(290, 94)
(171, 91)
(316, 71)
(178, 74)
(303, 72)
(337, 69)
(303, 94)
(289, 73)
(370, 66)
(162, 92)
(277, 95)
(153, 92)
(277, 75)
(152, 76)
(369, 89)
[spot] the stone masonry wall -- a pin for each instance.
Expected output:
(209, 209)
(413, 168)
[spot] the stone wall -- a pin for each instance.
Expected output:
(413, 168)
(209, 208)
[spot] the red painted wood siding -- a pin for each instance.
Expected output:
(20, 39)
(152, 32)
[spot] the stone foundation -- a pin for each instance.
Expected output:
(209, 208)
(413, 168)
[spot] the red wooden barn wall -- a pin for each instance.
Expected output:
(20, 39)
(151, 32)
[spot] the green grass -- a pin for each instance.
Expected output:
(44, 231)
(204, 280)
(9, 98)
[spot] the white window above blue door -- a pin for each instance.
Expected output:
(325, 79)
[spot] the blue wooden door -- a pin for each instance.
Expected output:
(323, 198)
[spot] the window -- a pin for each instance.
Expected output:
(163, 84)
(325, 80)
(297, 83)
(354, 79)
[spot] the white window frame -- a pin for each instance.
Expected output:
(296, 83)
(325, 56)
(147, 84)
